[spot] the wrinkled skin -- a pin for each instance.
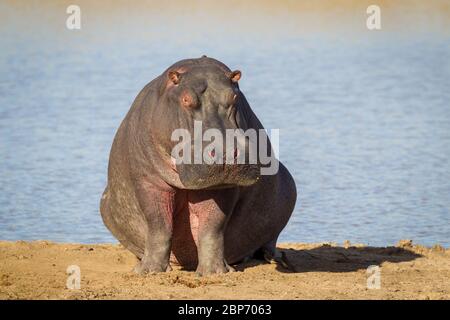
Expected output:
(196, 215)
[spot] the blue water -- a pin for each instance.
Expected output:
(364, 123)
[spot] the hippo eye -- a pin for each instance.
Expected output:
(188, 100)
(203, 89)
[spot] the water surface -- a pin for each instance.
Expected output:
(364, 117)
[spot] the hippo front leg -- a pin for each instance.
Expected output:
(157, 207)
(214, 212)
(211, 245)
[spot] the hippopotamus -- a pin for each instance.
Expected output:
(200, 216)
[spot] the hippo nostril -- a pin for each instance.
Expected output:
(173, 164)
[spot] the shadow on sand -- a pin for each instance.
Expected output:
(335, 259)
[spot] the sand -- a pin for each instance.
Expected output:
(37, 270)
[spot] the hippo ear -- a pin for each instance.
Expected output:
(174, 76)
(235, 76)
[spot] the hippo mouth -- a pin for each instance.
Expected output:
(215, 176)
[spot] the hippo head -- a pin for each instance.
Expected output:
(199, 109)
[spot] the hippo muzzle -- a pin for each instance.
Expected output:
(228, 159)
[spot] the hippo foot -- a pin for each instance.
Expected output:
(144, 267)
(214, 268)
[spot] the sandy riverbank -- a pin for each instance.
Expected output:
(37, 270)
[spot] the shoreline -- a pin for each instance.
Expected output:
(38, 270)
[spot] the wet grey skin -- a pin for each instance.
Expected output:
(200, 216)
